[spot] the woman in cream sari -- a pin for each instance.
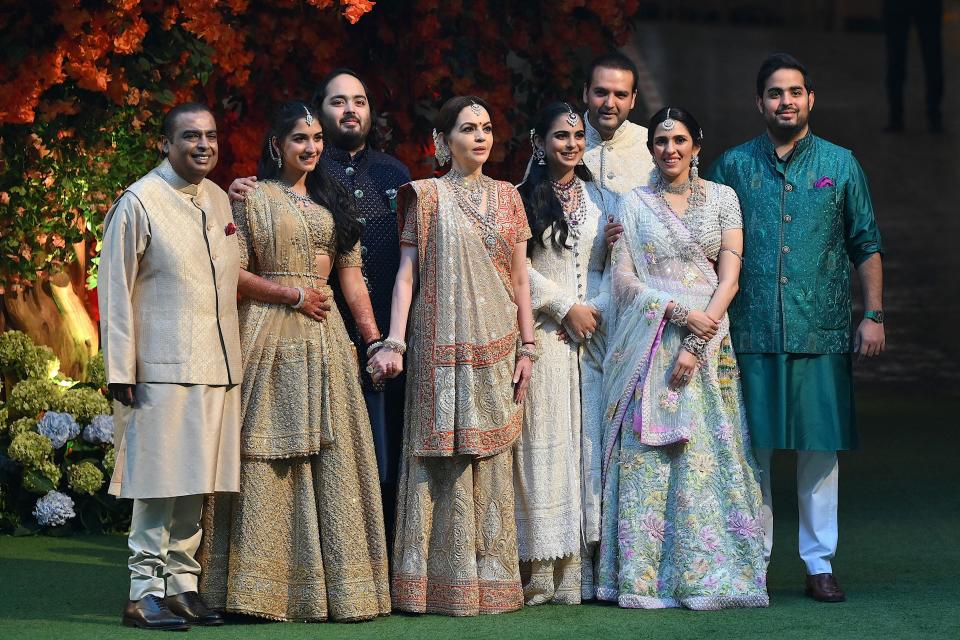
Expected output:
(304, 538)
(681, 500)
(463, 283)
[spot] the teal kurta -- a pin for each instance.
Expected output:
(806, 219)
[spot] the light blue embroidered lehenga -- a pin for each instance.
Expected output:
(681, 499)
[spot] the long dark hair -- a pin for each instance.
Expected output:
(543, 208)
(320, 187)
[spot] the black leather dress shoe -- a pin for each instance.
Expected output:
(150, 612)
(193, 609)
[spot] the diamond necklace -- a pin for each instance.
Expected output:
(470, 197)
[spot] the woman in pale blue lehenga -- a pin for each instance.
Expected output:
(681, 498)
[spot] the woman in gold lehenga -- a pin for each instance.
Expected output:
(303, 540)
(463, 241)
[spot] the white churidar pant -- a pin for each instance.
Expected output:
(817, 492)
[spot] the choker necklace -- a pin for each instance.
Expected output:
(300, 198)
(677, 189)
(564, 190)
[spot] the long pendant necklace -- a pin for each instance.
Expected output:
(575, 213)
(471, 196)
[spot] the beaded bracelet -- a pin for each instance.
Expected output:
(373, 346)
(695, 345)
(679, 315)
(523, 351)
(398, 346)
(301, 299)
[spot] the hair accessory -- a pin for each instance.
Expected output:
(440, 149)
(572, 117)
(668, 124)
(309, 117)
(274, 154)
(476, 108)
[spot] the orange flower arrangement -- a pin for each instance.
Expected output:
(126, 61)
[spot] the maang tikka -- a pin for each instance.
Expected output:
(476, 108)
(572, 117)
(309, 117)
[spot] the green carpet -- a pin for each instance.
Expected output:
(898, 561)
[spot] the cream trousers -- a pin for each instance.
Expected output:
(164, 537)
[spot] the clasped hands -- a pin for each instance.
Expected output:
(384, 364)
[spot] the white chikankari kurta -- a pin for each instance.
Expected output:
(563, 398)
(168, 290)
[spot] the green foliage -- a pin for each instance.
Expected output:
(96, 372)
(83, 403)
(30, 449)
(60, 185)
(20, 357)
(110, 460)
(29, 397)
(30, 463)
(22, 425)
(84, 478)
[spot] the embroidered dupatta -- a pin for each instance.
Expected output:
(657, 261)
(463, 330)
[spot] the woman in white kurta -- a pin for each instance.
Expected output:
(565, 212)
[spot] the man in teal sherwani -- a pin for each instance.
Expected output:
(807, 215)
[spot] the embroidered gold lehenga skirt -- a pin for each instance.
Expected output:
(304, 537)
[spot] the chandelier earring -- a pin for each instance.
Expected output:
(538, 153)
(275, 153)
(440, 149)
(694, 170)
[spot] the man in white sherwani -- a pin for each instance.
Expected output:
(617, 156)
(171, 343)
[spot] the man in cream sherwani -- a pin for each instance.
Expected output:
(171, 343)
(617, 156)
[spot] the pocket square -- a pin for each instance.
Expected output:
(823, 182)
(230, 229)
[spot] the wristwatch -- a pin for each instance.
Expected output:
(875, 314)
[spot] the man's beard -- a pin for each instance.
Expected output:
(785, 131)
(346, 140)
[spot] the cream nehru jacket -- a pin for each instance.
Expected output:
(168, 284)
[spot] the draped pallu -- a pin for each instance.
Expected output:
(304, 539)
(455, 550)
(681, 501)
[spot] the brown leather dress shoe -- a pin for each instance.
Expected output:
(193, 609)
(150, 612)
(823, 587)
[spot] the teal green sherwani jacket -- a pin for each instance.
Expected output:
(804, 221)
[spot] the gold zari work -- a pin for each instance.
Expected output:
(303, 540)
